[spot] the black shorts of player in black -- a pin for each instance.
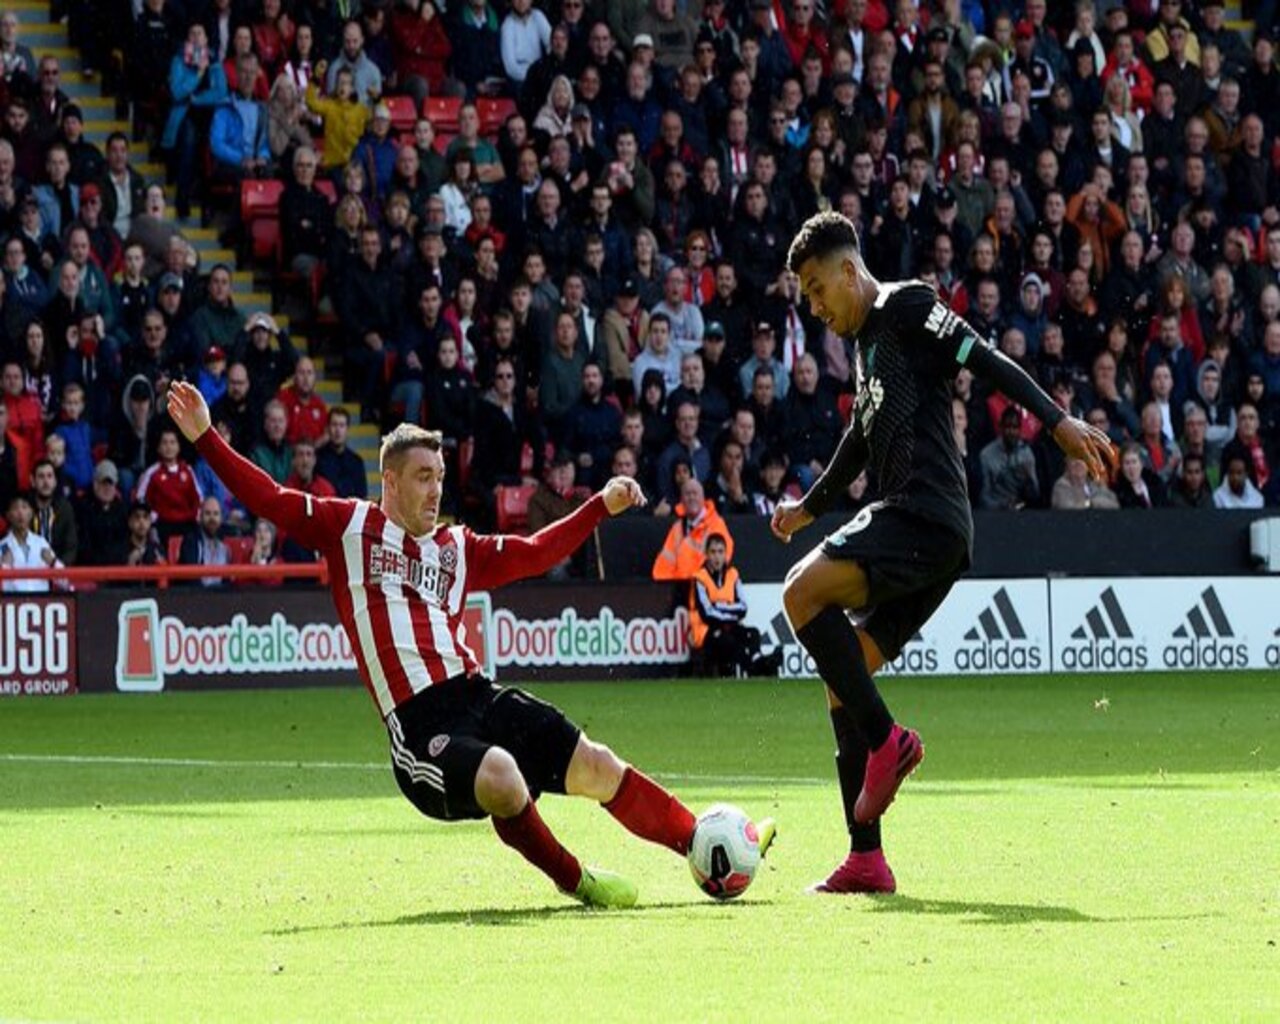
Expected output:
(896, 561)
(440, 736)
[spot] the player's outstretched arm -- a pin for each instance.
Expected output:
(1075, 437)
(297, 513)
(848, 461)
(502, 559)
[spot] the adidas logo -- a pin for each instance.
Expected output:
(1273, 650)
(916, 656)
(1206, 638)
(1001, 605)
(998, 640)
(1104, 640)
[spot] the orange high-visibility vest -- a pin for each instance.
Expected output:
(725, 592)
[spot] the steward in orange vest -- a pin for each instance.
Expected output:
(716, 611)
(685, 547)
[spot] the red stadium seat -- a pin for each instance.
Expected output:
(493, 112)
(443, 139)
(175, 548)
(513, 507)
(403, 114)
(260, 198)
(239, 549)
(264, 237)
(329, 189)
(442, 112)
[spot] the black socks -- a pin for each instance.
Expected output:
(833, 644)
(851, 768)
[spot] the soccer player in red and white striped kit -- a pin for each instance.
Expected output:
(461, 747)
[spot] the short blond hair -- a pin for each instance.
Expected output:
(402, 439)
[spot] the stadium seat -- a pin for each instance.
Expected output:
(174, 549)
(239, 549)
(513, 507)
(493, 112)
(443, 139)
(264, 238)
(403, 114)
(442, 112)
(329, 189)
(260, 199)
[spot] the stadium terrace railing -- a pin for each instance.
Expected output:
(89, 577)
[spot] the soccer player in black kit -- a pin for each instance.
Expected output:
(895, 561)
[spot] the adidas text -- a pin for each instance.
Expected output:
(1206, 653)
(1104, 654)
(999, 654)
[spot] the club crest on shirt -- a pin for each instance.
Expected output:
(437, 744)
(449, 559)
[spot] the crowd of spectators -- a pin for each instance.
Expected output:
(597, 282)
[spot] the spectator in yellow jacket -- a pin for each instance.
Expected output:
(344, 116)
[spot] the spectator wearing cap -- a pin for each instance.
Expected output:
(212, 377)
(1214, 31)
(197, 85)
(268, 356)
(376, 151)
(763, 347)
(217, 321)
(87, 163)
(624, 330)
(137, 544)
(238, 136)
(1177, 67)
(101, 516)
(1026, 61)
(523, 39)
(1159, 42)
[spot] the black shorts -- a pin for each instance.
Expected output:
(439, 738)
(910, 564)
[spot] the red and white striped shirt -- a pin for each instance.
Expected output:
(400, 598)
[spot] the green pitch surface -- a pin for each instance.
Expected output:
(1072, 849)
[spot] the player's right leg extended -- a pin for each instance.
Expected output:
(502, 793)
(816, 595)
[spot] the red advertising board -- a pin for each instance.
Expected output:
(37, 645)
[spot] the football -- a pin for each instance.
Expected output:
(725, 852)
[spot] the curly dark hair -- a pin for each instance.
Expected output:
(819, 236)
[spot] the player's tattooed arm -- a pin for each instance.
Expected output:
(849, 460)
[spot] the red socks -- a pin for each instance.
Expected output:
(649, 811)
(528, 834)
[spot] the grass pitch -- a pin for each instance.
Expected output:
(1073, 848)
